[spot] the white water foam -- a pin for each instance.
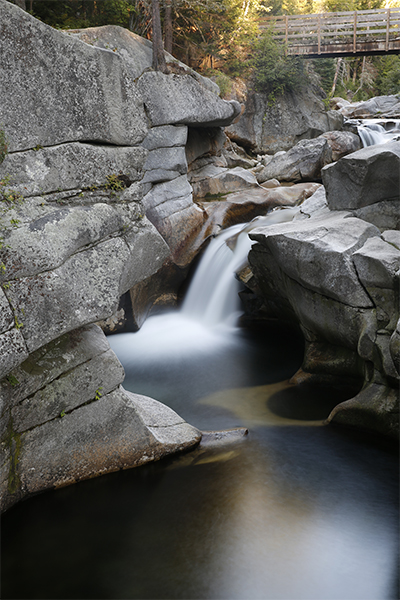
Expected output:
(207, 320)
(374, 131)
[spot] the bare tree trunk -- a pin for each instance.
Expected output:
(339, 62)
(168, 26)
(159, 63)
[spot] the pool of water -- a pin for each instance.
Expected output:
(296, 510)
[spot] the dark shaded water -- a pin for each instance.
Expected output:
(295, 511)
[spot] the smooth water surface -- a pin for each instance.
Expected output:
(294, 511)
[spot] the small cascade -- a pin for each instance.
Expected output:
(208, 317)
(374, 132)
(213, 294)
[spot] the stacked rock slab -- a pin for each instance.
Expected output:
(338, 275)
(185, 118)
(82, 130)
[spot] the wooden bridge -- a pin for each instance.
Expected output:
(360, 32)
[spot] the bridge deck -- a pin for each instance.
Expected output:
(338, 34)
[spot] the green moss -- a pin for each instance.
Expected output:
(12, 380)
(209, 197)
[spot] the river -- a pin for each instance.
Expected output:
(294, 510)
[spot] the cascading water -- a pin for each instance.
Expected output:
(372, 131)
(174, 348)
(208, 317)
(212, 298)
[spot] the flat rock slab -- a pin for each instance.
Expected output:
(63, 89)
(164, 164)
(46, 243)
(166, 136)
(104, 436)
(86, 287)
(379, 106)
(70, 166)
(365, 177)
(247, 204)
(51, 361)
(171, 99)
(136, 51)
(212, 181)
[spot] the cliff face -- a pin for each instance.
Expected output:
(84, 125)
(266, 127)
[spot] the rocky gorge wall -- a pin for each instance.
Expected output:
(84, 123)
(267, 126)
(335, 270)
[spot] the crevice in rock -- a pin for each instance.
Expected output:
(61, 375)
(73, 141)
(68, 412)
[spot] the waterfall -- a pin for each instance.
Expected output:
(213, 294)
(208, 316)
(374, 132)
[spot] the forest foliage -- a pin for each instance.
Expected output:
(221, 38)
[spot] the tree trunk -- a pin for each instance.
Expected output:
(159, 63)
(168, 26)
(339, 62)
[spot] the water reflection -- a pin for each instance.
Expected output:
(295, 511)
(289, 513)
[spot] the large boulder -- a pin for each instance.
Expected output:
(75, 238)
(381, 106)
(56, 89)
(365, 177)
(251, 203)
(73, 166)
(214, 181)
(136, 51)
(270, 127)
(303, 162)
(65, 417)
(342, 143)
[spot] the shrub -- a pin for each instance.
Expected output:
(221, 79)
(388, 80)
(274, 71)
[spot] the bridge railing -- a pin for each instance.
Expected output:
(322, 30)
